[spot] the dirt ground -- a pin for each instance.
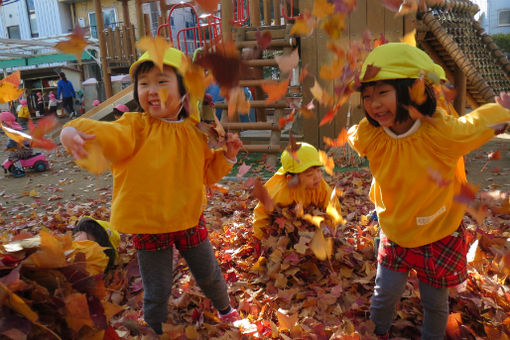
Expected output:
(65, 181)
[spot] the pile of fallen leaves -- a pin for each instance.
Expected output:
(281, 288)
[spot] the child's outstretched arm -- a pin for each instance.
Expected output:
(74, 141)
(503, 99)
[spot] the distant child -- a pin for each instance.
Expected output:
(119, 110)
(17, 151)
(297, 181)
(100, 232)
(40, 103)
(421, 223)
(65, 90)
(161, 163)
(96, 102)
(52, 103)
(23, 113)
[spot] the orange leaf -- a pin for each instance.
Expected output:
(275, 90)
(334, 25)
(156, 47)
(9, 92)
(195, 79)
(75, 45)
(327, 162)
(453, 326)
(494, 156)
(332, 112)
(333, 70)
(16, 303)
(410, 38)
(293, 147)
(322, 96)
(283, 121)
(322, 8)
(304, 73)
(467, 193)
(288, 62)
(209, 6)
(417, 91)
(340, 140)
(237, 102)
(263, 39)
(78, 314)
(49, 255)
(44, 126)
(285, 321)
(304, 24)
(225, 64)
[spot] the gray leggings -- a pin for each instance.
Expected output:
(389, 287)
(156, 270)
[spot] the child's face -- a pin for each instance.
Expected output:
(153, 83)
(380, 103)
(83, 236)
(311, 177)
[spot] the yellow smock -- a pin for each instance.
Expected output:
(159, 170)
(412, 209)
(23, 112)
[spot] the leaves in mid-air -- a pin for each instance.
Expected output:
(156, 47)
(75, 44)
(9, 88)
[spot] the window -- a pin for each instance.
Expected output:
(34, 30)
(109, 21)
(13, 32)
(504, 18)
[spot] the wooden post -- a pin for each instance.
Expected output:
(147, 24)
(277, 12)
(139, 19)
(254, 13)
(226, 16)
(267, 12)
(102, 49)
(459, 103)
(125, 12)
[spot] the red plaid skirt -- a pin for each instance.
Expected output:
(440, 264)
(183, 240)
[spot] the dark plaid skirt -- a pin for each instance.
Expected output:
(183, 240)
(440, 264)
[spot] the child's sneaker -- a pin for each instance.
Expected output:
(230, 317)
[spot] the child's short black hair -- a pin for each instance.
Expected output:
(146, 66)
(117, 112)
(90, 226)
(402, 86)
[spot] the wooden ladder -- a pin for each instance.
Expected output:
(267, 114)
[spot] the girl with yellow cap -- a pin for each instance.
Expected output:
(420, 221)
(299, 180)
(160, 163)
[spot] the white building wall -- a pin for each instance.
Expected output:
(49, 18)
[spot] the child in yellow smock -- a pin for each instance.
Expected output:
(161, 163)
(297, 181)
(420, 221)
(23, 113)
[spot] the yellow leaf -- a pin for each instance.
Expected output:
(15, 135)
(191, 332)
(237, 102)
(333, 210)
(322, 96)
(9, 92)
(286, 321)
(315, 220)
(322, 8)
(301, 27)
(75, 45)
(16, 303)
(163, 96)
(334, 25)
(195, 79)
(33, 193)
(50, 254)
(96, 259)
(321, 247)
(327, 162)
(95, 162)
(409, 38)
(156, 47)
(111, 309)
(333, 70)
(78, 314)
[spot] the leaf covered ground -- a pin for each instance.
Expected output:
(280, 287)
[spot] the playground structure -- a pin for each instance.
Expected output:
(448, 33)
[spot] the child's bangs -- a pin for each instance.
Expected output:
(147, 66)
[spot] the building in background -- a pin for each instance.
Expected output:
(494, 16)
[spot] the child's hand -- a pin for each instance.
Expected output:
(233, 146)
(74, 141)
(503, 99)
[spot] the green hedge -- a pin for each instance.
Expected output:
(503, 41)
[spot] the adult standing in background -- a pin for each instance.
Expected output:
(66, 89)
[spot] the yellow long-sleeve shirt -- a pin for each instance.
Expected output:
(23, 112)
(412, 209)
(279, 191)
(159, 170)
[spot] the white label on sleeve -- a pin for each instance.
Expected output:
(427, 219)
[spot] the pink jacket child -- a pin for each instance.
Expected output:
(52, 103)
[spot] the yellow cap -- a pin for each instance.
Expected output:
(113, 235)
(308, 156)
(173, 57)
(439, 71)
(397, 61)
